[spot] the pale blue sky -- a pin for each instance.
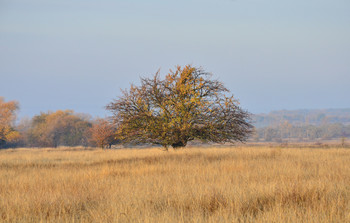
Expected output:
(272, 54)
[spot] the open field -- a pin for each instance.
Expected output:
(240, 184)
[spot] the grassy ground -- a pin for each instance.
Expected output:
(191, 185)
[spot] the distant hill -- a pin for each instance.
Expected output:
(303, 117)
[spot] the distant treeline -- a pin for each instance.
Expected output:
(52, 129)
(286, 131)
(63, 128)
(302, 117)
(302, 125)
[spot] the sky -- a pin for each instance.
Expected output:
(270, 54)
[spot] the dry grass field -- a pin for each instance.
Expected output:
(240, 184)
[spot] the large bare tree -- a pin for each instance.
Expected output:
(184, 106)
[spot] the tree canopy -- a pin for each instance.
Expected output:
(102, 133)
(184, 106)
(7, 118)
(60, 128)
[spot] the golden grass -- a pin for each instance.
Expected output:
(242, 184)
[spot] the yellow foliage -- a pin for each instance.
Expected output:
(13, 136)
(7, 117)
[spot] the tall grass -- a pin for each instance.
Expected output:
(191, 185)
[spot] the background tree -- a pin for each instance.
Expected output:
(60, 128)
(186, 105)
(102, 133)
(8, 135)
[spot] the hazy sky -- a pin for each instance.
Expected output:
(272, 54)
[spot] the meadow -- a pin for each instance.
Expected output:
(238, 184)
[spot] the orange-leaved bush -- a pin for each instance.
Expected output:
(102, 133)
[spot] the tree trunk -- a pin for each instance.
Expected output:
(179, 144)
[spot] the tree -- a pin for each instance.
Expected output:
(102, 133)
(186, 105)
(269, 134)
(58, 128)
(7, 117)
